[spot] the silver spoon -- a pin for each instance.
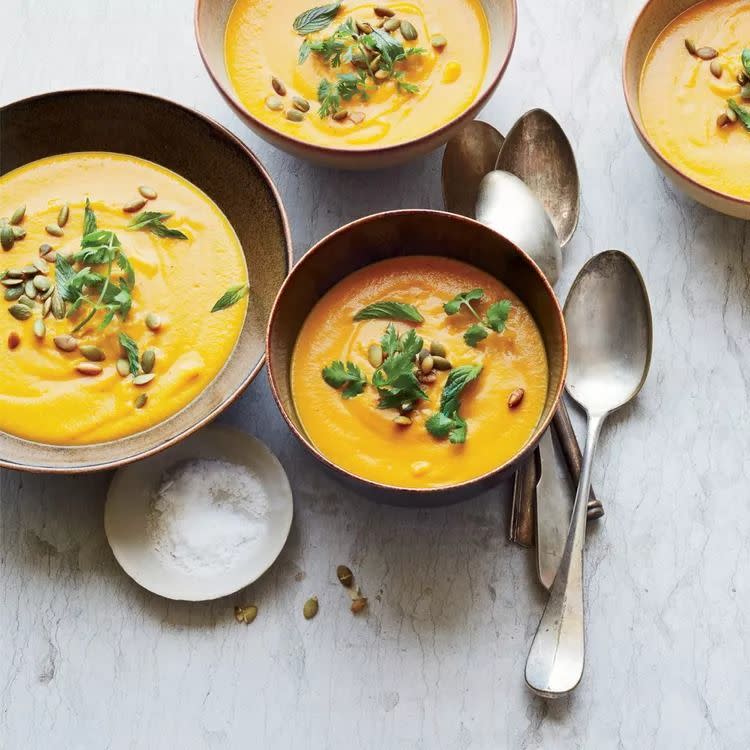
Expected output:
(469, 155)
(608, 318)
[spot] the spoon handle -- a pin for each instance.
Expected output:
(555, 663)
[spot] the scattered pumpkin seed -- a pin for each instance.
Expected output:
(144, 379)
(706, 53)
(515, 398)
(357, 117)
(42, 283)
(345, 576)
(44, 249)
(123, 367)
(716, 68)
(10, 281)
(134, 205)
(63, 215)
(57, 305)
(441, 363)
(375, 355)
(274, 103)
(438, 41)
(153, 322)
(742, 78)
(46, 295)
(690, 46)
(408, 31)
(41, 265)
(363, 27)
(7, 238)
(382, 75)
(294, 115)
(39, 328)
(141, 400)
(358, 604)
(30, 270)
(148, 192)
(437, 348)
(20, 312)
(392, 24)
(245, 615)
(427, 379)
(14, 273)
(88, 368)
(54, 230)
(92, 353)
(13, 340)
(19, 233)
(13, 293)
(46, 307)
(24, 300)
(66, 343)
(278, 86)
(17, 216)
(402, 420)
(382, 12)
(301, 104)
(731, 115)
(148, 360)
(341, 115)
(422, 354)
(427, 364)
(722, 120)
(375, 62)
(29, 289)
(311, 608)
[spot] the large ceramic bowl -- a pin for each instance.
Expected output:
(211, 158)
(210, 24)
(652, 20)
(401, 233)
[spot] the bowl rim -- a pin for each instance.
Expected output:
(633, 105)
(323, 152)
(227, 134)
(524, 451)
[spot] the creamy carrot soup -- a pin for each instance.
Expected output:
(695, 94)
(355, 74)
(419, 372)
(107, 326)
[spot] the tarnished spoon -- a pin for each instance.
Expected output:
(469, 155)
(608, 318)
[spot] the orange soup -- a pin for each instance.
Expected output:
(419, 372)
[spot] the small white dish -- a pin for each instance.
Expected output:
(129, 502)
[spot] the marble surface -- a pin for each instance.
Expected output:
(89, 660)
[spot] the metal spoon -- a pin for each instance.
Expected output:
(469, 155)
(608, 318)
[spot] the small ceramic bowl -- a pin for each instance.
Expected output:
(652, 20)
(397, 234)
(210, 25)
(208, 155)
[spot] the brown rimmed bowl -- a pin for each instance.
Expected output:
(210, 157)
(403, 233)
(211, 18)
(652, 20)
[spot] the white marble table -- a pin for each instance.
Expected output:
(89, 660)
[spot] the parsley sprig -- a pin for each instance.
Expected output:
(495, 319)
(345, 87)
(338, 374)
(396, 379)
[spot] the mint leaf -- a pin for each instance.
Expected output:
(315, 19)
(447, 422)
(231, 297)
(390, 309)
(338, 374)
(475, 334)
(497, 315)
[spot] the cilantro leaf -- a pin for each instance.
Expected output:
(131, 350)
(345, 87)
(98, 247)
(315, 19)
(64, 274)
(464, 298)
(396, 378)
(153, 221)
(475, 334)
(497, 315)
(89, 219)
(231, 297)
(390, 309)
(389, 342)
(338, 374)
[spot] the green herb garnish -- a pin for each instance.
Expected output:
(389, 309)
(496, 318)
(316, 19)
(89, 219)
(231, 297)
(497, 315)
(447, 423)
(131, 349)
(338, 374)
(743, 114)
(153, 221)
(396, 378)
(332, 49)
(746, 61)
(345, 87)
(464, 299)
(390, 341)
(475, 334)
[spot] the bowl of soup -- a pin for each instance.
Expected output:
(418, 354)
(142, 248)
(356, 85)
(686, 73)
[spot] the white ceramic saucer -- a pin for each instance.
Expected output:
(129, 504)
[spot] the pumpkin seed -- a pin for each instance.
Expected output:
(402, 420)
(24, 300)
(382, 12)
(148, 192)
(20, 312)
(745, 91)
(39, 328)
(363, 27)
(19, 233)
(438, 348)
(41, 265)
(134, 205)
(342, 114)
(742, 78)
(278, 86)
(14, 273)
(311, 608)
(63, 215)
(392, 24)
(44, 249)
(274, 103)
(375, 355)
(54, 230)
(441, 363)
(716, 68)
(17, 216)
(66, 343)
(690, 46)
(722, 120)
(408, 31)
(29, 289)
(13, 340)
(301, 104)
(46, 307)
(245, 615)
(13, 293)
(123, 367)
(88, 368)
(706, 53)
(515, 398)
(140, 402)
(358, 604)
(427, 364)
(144, 379)
(153, 322)
(357, 117)
(9, 281)
(30, 270)
(92, 353)
(294, 115)
(42, 283)
(375, 62)
(345, 576)
(381, 75)
(731, 115)
(57, 305)
(148, 360)
(406, 408)
(427, 379)
(7, 238)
